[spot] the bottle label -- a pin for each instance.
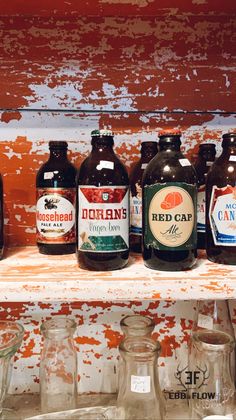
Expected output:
(222, 215)
(136, 211)
(140, 384)
(201, 209)
(55, 215)
(103, 218)
(170, 219)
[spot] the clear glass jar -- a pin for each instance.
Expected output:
(133, 326)
(11, 336)
(58, 366)
(140, 396)
(210, 385)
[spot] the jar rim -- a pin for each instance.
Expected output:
(14, 334)
(142, 322)
(58, 324)
(204, 339)
(140, 346)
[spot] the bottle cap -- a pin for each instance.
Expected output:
(170, 133)
(102, 133)
(58, 144)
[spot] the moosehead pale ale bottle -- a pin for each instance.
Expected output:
(103, 207)
(221, 204)
(55, 207)
(206, 157)
(148, 151)
(169, 208)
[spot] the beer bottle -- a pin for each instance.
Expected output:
(206, 157)
(221, 205)
(1, 219)
(55, 208)
(169, 208)
(148, 151)
(103, 207)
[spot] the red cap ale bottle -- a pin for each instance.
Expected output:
(55, 207)
(169, 208)
(103, 207)
(221, 204)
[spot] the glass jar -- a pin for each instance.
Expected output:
(140, 396)
(210, 385)
(11, 336)
(58, 366)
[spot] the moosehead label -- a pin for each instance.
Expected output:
(170, 216)
(222, 215)
(103, 218)
(55, 215)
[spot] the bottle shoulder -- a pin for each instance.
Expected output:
(169, 167)
(102, 170)
(55, 173)
(222, 172)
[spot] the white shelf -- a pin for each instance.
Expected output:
(26, 275)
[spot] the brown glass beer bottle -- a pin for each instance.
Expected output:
(169, 208)
(206, 157)
(1, 219)
(221, 205)
(55, 207)
(103, 207)
(148, 151)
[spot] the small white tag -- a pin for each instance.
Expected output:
(205, 321)
(105, 164)
(144, 165)
(140, 384)
(184, 162)
(232, 158)
(48, 175)
(209, 163)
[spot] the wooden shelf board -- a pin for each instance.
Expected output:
(26, 275)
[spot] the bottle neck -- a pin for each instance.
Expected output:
(148, 150)
(100, 144)
(229, 150)
(58, 154)
(169, 147)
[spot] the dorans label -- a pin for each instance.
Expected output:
(136, 211)
(103, 218)
(222, 215)
(170, 216)
(55, 215)
(201, 209)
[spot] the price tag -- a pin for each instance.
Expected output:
(48, 175)
(209, 163)
(144, 165)
(205, 321)
(140, 384)
(105, 164)
(184, 162)
(218, 417)
(232, 158)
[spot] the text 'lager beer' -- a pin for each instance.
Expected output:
(55, 207)
(103, 207)
(169, 208)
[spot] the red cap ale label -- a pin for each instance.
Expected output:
(55, 215)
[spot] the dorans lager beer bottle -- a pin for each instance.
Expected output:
(221, 204)
(103, 207)
(169, 208)
(55, 205)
